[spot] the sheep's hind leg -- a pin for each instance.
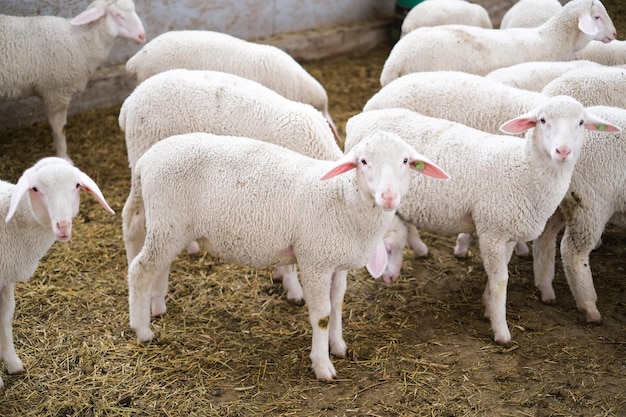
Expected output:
(143, 272)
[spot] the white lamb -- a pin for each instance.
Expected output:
(53, 57)
(38, 211)
(458, 96)
(612, 53)
(504, 189)
(605, 86)
(529, 13)
(184, 101)
(535, 75)
(480, 51)
(595, 197)
(216, 51)
(445, 12)
(261, 205)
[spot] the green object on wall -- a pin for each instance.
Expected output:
(408, 3)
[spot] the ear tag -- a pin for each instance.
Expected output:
(419, 165)
(601, 127)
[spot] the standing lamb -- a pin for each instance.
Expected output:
(223, 189)
(184, 101)
(530, 13)
(215, 51)
(596, 196)
(454, 95)
(507, 191)
(53, 57)
(480, 51)
(535, 75)
(38, 211)
(445, 12)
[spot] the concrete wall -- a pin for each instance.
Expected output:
(306, 29)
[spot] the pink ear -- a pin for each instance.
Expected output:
(422, 165)
(519, 124)
(23, 184)
(344, 164)
(378, 261)
(340, 169)
(91, 187)
(601, 126)
(88, 16)
(587, 25)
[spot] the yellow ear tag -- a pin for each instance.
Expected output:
(601, 127)
(419, 165)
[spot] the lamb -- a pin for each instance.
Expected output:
(595, 197)
(184, 101)
(445, 12)
(505, 194)
(480, 51)
(535, 75)
(38, 211)
(453, 95)
(529, 13)
(612, 53)
(207, 50)
(224, 187)
(592, 86)
(53, 57)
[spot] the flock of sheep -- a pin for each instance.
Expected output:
(232, 149)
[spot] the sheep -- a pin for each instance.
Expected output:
(38, 211)
(504, 189)
(207, 50)
(258, 204)
(445, 12)
(461, 97)
(529, 13)
(592, 86)
(184, 101)
(595, 197)
(480, 51)
(53, 57)
(535, 75)
(612, 53)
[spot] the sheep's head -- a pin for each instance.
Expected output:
(383, 162)
(559, 123)
(53, 186)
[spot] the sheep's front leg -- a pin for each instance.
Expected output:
(317, 290)
(7, 349)
(544, 254)
(337, 292)
(576, 245)
(289, 274)
(495, 255)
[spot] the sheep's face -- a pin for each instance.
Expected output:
(383, 162)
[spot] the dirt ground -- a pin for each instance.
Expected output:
(230, 344)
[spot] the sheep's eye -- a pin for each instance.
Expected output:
(597, 17)
(363, 161)
(77, 185)
(580, 123)
(406, 161)
(34, 189)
